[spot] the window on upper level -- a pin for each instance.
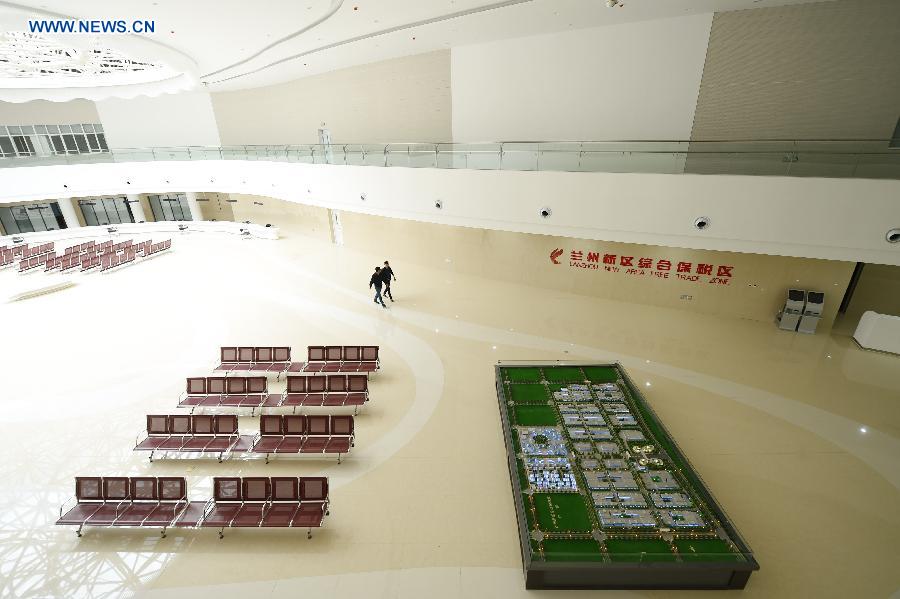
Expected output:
(49, 140)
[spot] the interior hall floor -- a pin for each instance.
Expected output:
(797, 436)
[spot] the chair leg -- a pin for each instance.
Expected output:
(163, 532)
(267, 458)
(151, 456)
(222, 533)
(78, 532)
(309, 534)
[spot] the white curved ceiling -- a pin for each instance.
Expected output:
(234, 44)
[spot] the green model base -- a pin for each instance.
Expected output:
(595, 469)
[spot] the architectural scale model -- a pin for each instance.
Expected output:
(604, 497)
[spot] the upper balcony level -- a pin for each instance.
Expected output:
(862, 159)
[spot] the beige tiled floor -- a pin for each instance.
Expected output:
(423, 507)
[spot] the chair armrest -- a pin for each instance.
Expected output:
(63, 508)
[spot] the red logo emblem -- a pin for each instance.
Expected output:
(556, 254)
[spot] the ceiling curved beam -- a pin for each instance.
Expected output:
(335, 6)
(448, 17)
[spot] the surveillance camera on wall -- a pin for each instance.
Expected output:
(702, 222)
(438, 204)
(893, 236)
(546, 212)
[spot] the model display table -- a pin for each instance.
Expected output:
(603, 495)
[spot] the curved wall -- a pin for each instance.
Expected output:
(803, 217)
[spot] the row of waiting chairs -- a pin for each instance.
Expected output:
(333, 390)
(278, 434)
(24, 250)
(111, 258)
(162, 502)
(320, 358)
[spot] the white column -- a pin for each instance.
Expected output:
(193, 205)
(67, 207)
(137, 209)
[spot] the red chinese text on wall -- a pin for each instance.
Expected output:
(638, 266)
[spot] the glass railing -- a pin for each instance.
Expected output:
(869, 159)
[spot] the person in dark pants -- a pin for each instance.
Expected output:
(376, 280)
(387, 273)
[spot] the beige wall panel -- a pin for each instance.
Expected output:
(311, 221)
(756, 291)
(404, 99)
(216, 206)
(44, 112)
(824, 70)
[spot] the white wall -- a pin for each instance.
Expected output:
(635, 81)
(44, 112)
(184, 119)
(836, 219)
(403, 99)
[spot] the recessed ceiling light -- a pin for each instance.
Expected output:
(647, 383)
(863, 430)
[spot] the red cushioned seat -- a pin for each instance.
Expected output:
(314, 445)
(107, 514)
(335, 399)
(280, 515)
(219, 443)
(192, 400)
(151, 443)
(174, 442)
(313, 399)
(309, 515)
(221, 514)
(249, 515)
(296, 367)
(314, 367)
(79, 513)
(210, 401)
(164, 513)
(252, 401)
(290, 444)
(192, 514)
(232, 401)
(355, 399)
(338, 445)
(331, 367)
(293, 399)
(135, 514)
(196, 443)
(267, 444)
(272, 400)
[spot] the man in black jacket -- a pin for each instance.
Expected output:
(387, 273)
(376, 280)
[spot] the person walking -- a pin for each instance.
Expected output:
(376, 281)
(387, 273)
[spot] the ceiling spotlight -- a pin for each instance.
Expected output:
(614, 3)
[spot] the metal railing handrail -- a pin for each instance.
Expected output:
(846, 158)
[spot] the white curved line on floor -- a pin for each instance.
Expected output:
(427, 371)
(877, 449)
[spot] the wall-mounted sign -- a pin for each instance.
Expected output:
(636, 266)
